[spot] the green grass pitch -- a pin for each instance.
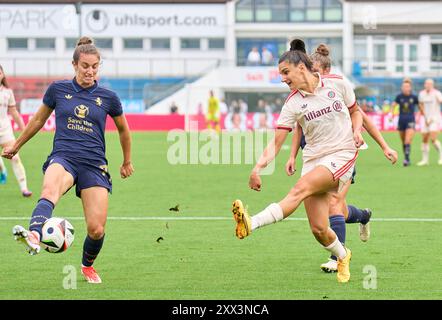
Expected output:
(202, 259)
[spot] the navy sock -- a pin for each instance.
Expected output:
(337, 223)
(91, 249)
(41, 213)
(407, 150)
(356, 215)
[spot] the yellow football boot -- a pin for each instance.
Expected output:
(344, 267)
(242, 218)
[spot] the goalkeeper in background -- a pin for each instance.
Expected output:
(213, 113)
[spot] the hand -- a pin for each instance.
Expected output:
(255, 181)
(9, 152)
(126, 169)
(359, 140)
(390, 154)
(290, 167)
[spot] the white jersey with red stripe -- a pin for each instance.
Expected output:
(323, 115)
(431, 101)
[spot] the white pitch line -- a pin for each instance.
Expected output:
(222, 218)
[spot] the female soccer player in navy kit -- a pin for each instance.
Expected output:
(408, 104)
(78, 156)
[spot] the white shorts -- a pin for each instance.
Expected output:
(433, 127)
(340, 164)
(6, 133)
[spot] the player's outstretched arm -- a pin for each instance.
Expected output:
(35, 124)
(126, 169)
(373, 131)
(269, 153)
(290, 166)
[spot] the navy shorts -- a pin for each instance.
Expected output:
(405, 123)
(86, 174)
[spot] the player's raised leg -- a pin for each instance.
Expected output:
(95, 203)
(55, 183)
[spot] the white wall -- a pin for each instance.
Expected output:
(397, 12)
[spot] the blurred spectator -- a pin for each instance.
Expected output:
(386, 107)
(243, 106)
(364, 105)
(267, 57)
(223, 108)
(254, 58)
(173, 108)
(234, 107)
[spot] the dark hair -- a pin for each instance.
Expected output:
(4, 81)
(322, 56)
(297, 54)
(85, 45)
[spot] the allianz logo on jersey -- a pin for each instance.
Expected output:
(337, 106)
(81, 111)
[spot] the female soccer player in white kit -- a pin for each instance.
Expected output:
(429, 107)
(7, 104)
(319, 105)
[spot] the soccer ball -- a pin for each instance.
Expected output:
(57, 235)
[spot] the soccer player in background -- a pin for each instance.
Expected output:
(429, 107)
(339, 212)
(78, 156)
(213, 112)
(407, 102)
(7, 138)
(333, 133)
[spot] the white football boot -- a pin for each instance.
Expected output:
(31, 239)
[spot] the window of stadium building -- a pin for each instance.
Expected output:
(288, 11)
(436, 52)
(216, 43)
(45, 43)
(190, 43)
(17, 43)
(160, 43)
(133, 43)
(70, 43)
(104, 43)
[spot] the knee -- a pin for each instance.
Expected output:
(95, 232)
(49, 192)
(320, 232)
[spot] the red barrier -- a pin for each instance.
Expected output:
(144, 122)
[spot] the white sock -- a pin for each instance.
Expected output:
(337, 249)
(425, 152)
(20, 173)
(2, 165)
(273, 213)
(436, 144)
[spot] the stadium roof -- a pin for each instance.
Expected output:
(112, 2)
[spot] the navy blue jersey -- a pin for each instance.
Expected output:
(407, 104)
(80, 118)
